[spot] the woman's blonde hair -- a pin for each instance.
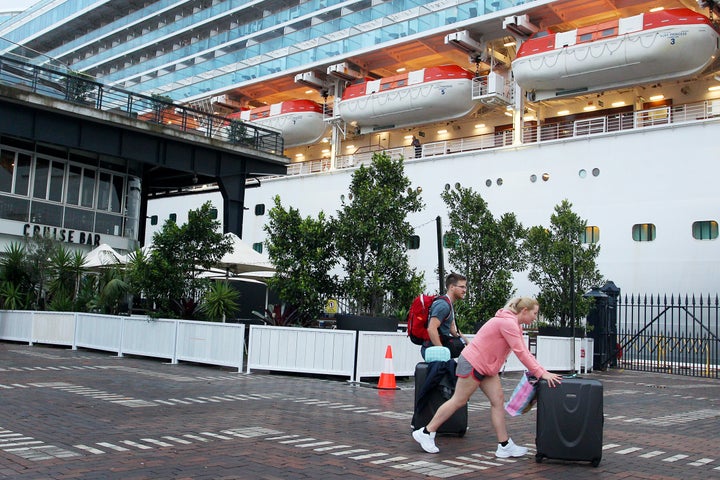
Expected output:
(518, 303)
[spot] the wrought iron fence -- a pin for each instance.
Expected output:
(678, 335)
(82, 90)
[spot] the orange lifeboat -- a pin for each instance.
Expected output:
(645, 48)
(299, 121)
(422, 96)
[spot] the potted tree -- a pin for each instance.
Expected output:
(563, 265)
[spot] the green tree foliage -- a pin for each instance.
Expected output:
(371, 233)
(486, 250)
(171, 278)
(303, 254)
(561, 265)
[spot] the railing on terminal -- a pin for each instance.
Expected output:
(82, 90)
(546, 132)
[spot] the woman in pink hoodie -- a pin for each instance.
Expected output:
(479, 365)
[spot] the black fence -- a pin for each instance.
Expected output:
(676, 334)
(82, 90)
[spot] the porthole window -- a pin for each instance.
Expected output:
(258, 247)
(582, 173)
(413, 242)
(533, 178)
(545, 177)
(499, 181)
(260, 209)
(590, 235)
(705, 230)
(488, 183)
(447, 187)
(643, 232)
(595, 172)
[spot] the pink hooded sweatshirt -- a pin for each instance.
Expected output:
(492, 344)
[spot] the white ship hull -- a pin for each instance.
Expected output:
(649, 177)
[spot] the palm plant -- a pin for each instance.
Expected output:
(220, 301)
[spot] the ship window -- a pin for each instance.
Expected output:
(488, 183)
(705, 230)
(260, 209)
(258, 247)
(586, 37)
(154, 220)
(608, 32)
(401, 83)
(173, 217)
(499, 181)
(413, 242)
(590, 235)
(7, 167)
(385, 86)
(643, 232)
(214, 213)
(533, 178)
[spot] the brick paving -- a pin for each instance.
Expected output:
(82, 414)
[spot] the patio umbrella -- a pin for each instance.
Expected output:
(243, 258)
(102, 256)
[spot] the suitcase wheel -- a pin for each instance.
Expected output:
(595, 462)
(461, 433)
(539, 458)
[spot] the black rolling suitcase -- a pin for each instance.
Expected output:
(570, 421)
(436, 396)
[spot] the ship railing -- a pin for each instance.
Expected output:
(654, 117)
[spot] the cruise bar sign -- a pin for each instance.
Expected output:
(62, 234)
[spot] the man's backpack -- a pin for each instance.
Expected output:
(418, 317)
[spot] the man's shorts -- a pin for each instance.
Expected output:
(464, 369)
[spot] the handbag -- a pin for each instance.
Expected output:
(455, 344)
(523, 397)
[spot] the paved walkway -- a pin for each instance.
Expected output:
(90, 415)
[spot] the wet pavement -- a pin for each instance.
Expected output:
(92, 415)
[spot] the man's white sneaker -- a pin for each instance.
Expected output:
(510, 450)
(426, 440)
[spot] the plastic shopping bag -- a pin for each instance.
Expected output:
(523, 397)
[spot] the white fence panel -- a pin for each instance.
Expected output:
(149, 337)
(556, 353)
(53, 328)
(100, 332)
(308, 350)
(371, 354)
(212, 343)
(16, 326)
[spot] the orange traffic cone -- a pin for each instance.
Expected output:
(387, 377)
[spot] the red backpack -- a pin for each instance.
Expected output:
(418, 317)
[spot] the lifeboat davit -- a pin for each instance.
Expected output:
(299, 121)
(429, 95)
(650, 47)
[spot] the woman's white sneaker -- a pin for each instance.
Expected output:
(426, 440)
(510, 450)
